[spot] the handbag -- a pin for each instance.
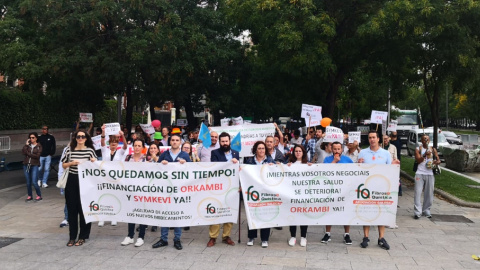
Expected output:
(62, 181)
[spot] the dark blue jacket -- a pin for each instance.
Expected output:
(219, 155)
(251, 160)
(166, 156)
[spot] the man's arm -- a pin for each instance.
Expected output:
(54, 147)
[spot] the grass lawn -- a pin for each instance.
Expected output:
(449, 182)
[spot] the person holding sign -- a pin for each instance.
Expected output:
(223, 154)
(137, 156)
(260, 157)
(375, 155)
(174, 154)
(299, 156)
(337, 157)
(81, 149)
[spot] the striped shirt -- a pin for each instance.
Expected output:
(78, 155)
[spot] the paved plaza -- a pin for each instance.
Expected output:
(416, 244)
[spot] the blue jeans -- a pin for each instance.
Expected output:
(177, 231)
(31, 177)
(44, 169)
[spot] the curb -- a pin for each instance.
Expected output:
(447, 195)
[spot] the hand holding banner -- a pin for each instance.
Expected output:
(112, 129)
(354, 136)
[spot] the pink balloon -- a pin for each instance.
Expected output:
(156, 123)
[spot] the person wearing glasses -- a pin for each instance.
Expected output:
(187, 148)
(80, 150)
(32, 150)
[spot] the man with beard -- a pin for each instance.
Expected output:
(223, 154)
(337, 157)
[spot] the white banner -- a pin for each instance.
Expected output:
(354, 136)
(112, 129)
(315, 112)
(333, 134)
(86, 117)
(250, 134)
(147, 128)
(377, 116)
(172, 195)
(321, 194)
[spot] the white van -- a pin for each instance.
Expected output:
(414, 140)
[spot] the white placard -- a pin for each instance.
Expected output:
(97, 141)
(224, 122)
(112, 129)
(172, 195)
(354, 136)
(312, 122)
(378, 116)
(311, 111)
(147, 128)
(333, 134)
(392, 127)
(320, 194)
(86, 117)
(250, 134)
(238, 121)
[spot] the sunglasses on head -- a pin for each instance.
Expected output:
(81, 136)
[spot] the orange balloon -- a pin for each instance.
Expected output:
(325, 122)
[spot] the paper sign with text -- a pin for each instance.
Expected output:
(86, 117)
(378, 116)
(112, 129)
(392, 127)
(333, 134)
(354, 136)
(238, 121)
(147, 128)
(311, 111)
(224, 122)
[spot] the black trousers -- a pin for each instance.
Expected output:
(303, 231)
(264, 234)
(74, 207)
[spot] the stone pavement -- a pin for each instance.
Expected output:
(416, 244)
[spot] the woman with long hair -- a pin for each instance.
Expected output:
(80, 150)
(32, 150)
(153, 153)
(187, 147)
(299, 156)
(137, 156)
(260, 157)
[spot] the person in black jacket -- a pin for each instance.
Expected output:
(48, 150)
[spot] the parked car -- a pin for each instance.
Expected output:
(452, 138)
(414, 140)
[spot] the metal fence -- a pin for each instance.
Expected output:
(4, 143)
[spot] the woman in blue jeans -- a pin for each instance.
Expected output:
(32, 150)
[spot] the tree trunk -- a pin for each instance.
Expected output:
(151, 106)
(192, 122)
(334, 83)
(129, 108)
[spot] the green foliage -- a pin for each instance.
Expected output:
(448, 182)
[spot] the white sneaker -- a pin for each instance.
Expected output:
(250, 242)
(39, 182)
(292, 241)
(45, 185)
(393, 227)
(139, 242)
(127, 241)
(264, 244)
(114, 223)
(303, 242)
(64, 223)
(101, 223)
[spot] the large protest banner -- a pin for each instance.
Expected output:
(249, 133)
(172, 195)
(321, 194)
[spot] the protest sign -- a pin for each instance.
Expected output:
(312, 122)
(147, 128)
(173, 195)
(224, 122)
(97, 141)
(112, 129)
(311, 111)
(384, 127)
(333, 134)
(392, 126)
(237, 121)
(321, 194)
(86, 117)
(182, 122)
(249, 133)
(354, 136)
(377, 117)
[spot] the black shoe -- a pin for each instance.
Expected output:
(171, 228)
(160, 243)
(186, 229)
(364, 243)
(154, 228)
(178, 245)
(383, 244)
(416, 217)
